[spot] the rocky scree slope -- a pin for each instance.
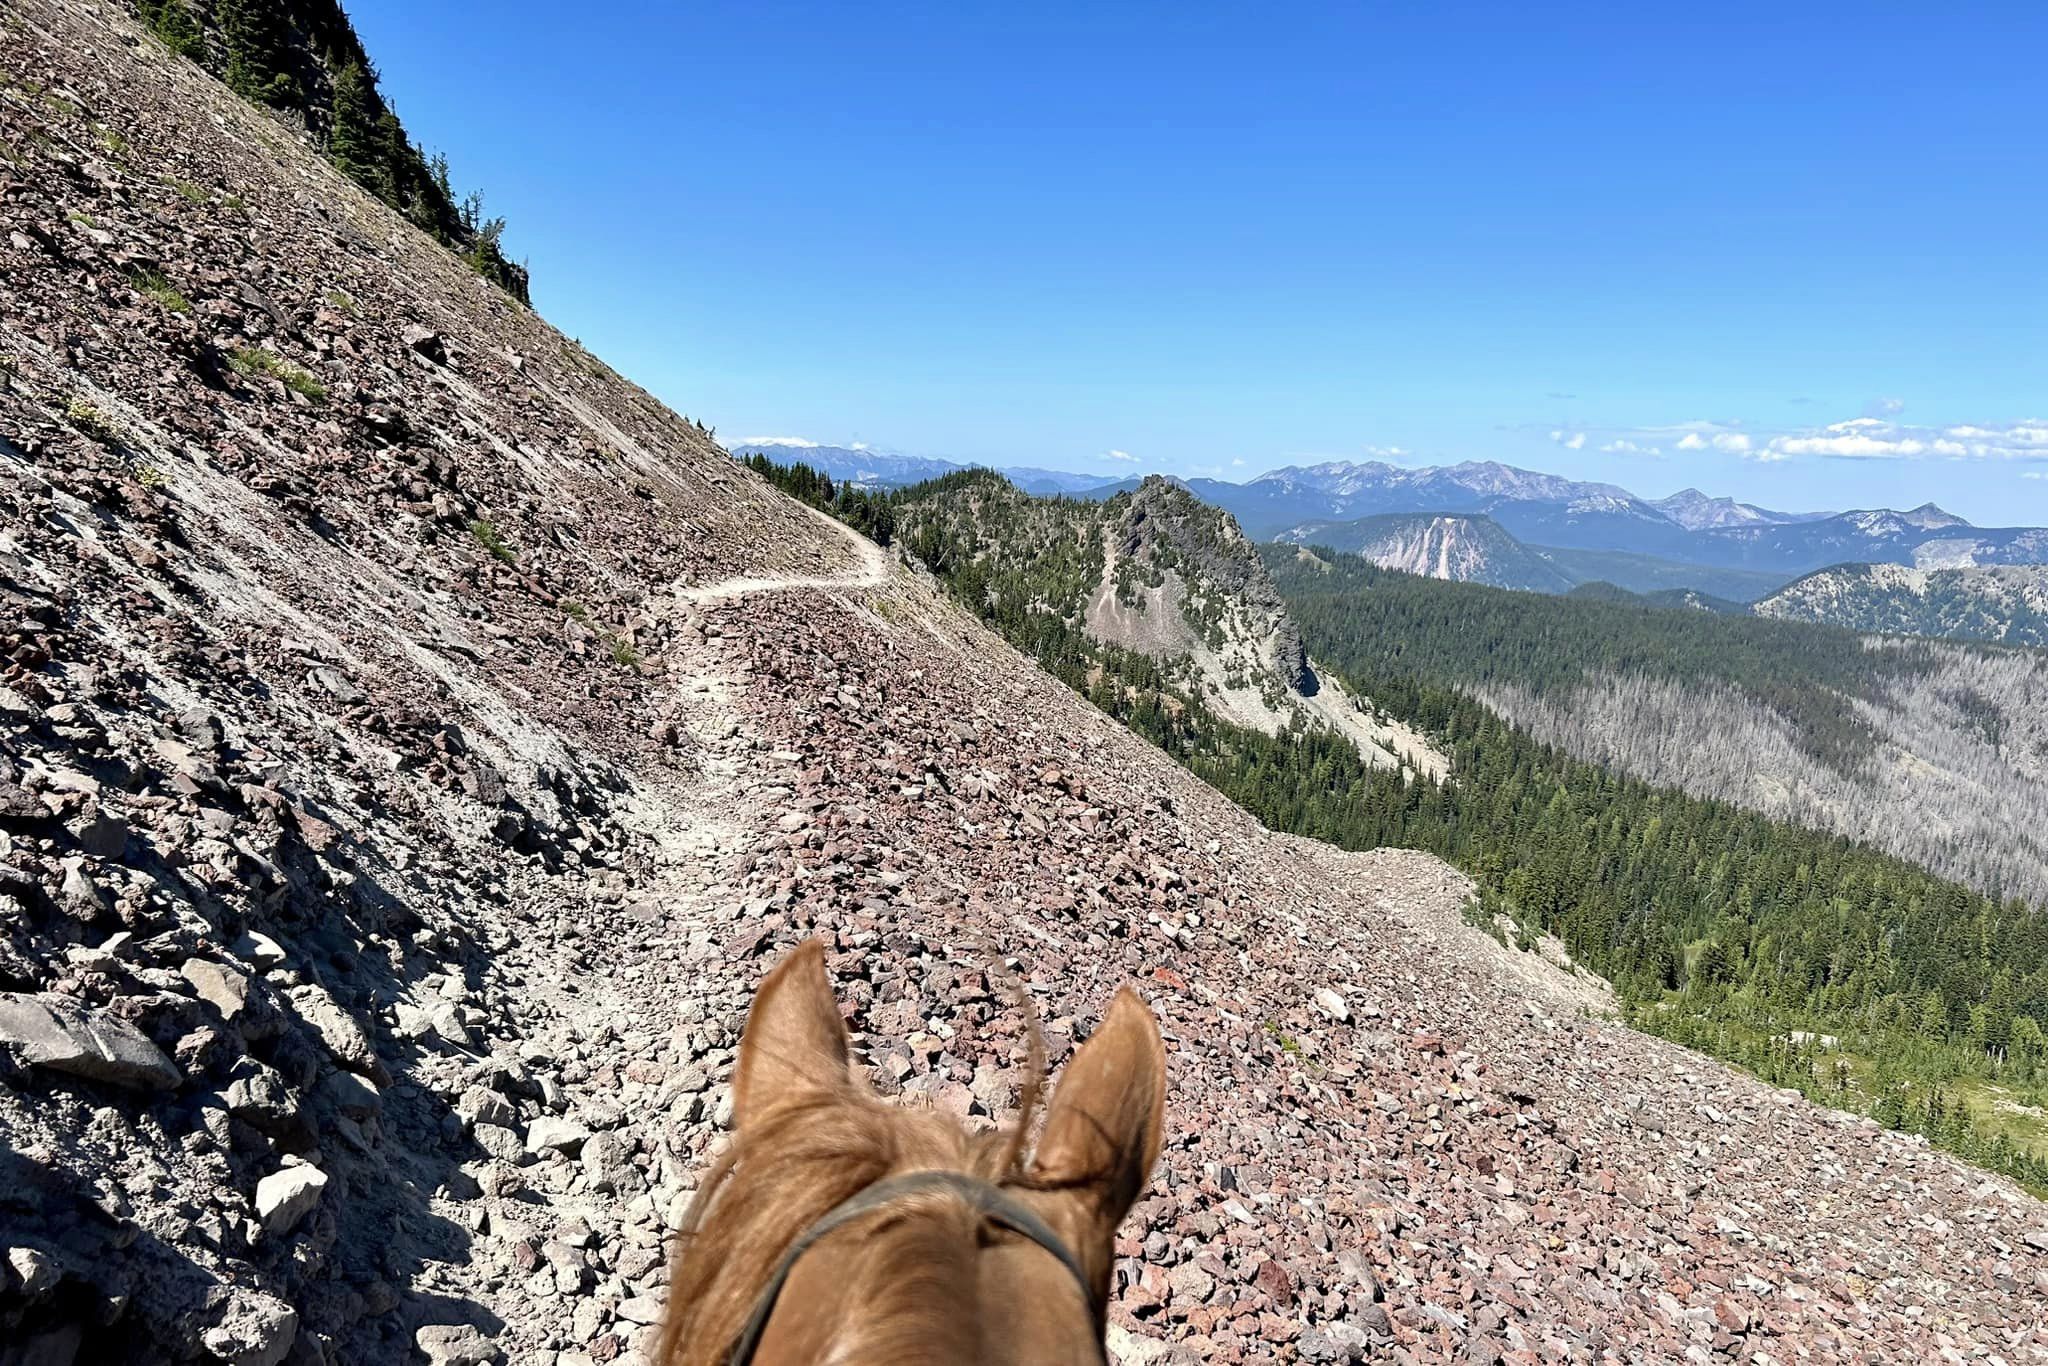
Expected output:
(381, 909)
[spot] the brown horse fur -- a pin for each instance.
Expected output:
(923, 1280)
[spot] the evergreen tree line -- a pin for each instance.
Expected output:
(872, 514)
(304, 56)
(1719, 928)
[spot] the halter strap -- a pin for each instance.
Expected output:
(988, 1200)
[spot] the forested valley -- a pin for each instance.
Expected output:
(1936, 751)
(1814, 960)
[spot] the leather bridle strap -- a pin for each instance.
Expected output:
(987, 1199)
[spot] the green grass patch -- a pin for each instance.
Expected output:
(254, 361)
(487, 536)
(189, 192)
(151, 284)
(624, 655)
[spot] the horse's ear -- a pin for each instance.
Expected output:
(795, 1044)
(1102, 1132)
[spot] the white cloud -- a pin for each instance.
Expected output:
(1237, 462)
(1124, 456)
(780, 441)
(1884, 407)
(1869, 438)
(1729, 443)
(1856, 438)
(1571, 441)
(1388, 452)
(2034, 474)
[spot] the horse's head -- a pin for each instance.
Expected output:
(1009, 1262)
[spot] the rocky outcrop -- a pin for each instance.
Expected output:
(1164, 527)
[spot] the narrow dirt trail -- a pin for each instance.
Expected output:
(871, 571)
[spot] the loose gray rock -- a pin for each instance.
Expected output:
(55, 1032)
(562, 1135)
(255, 1329)
(286, 1196)
(223, 987)
(455, 1344)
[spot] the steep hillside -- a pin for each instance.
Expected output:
(1465, 549)
(303, 60)
(2005, 603)
(418, 742)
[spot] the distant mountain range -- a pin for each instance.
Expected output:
(871, 468)
(1497, 524)
(1474, 548)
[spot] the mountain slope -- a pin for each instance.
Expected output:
(1466, 549)
(2006, 603)
(302, 58)
(419, 742)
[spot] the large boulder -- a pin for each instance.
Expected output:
(60, 1034)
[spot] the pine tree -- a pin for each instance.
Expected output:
(175, 27)
(257, 63)
(352, 140)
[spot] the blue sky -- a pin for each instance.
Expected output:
(1798, 253)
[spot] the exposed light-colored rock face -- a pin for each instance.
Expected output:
(496, 734)
(1458, 548)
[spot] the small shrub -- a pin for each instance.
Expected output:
(624, 655)
(152, 284)
(341, 301)
(90, 422)
(577, 610)
(189, 192)
(254, 360)
(487, 536)
(149, 476)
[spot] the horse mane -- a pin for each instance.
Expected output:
(792, 1164)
